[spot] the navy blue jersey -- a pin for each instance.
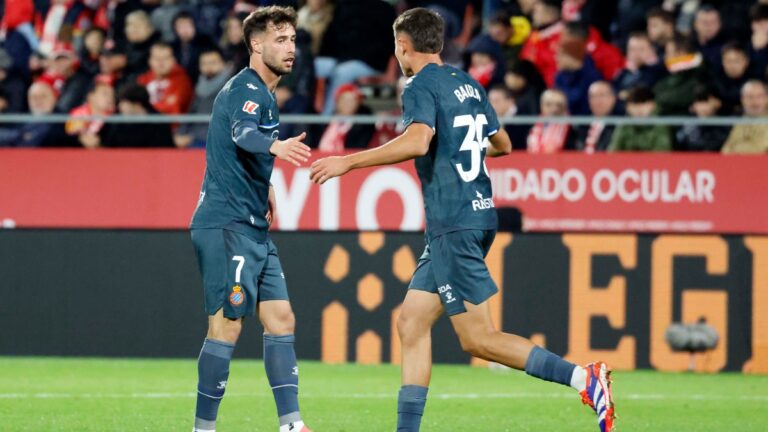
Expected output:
(238, 163)
(454, 179)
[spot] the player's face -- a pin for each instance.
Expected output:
(278, 48)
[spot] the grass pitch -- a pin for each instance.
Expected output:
(55, 394)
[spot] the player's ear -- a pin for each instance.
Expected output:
(256, 45)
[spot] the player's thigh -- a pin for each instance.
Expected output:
(459, 269)
(230, 264)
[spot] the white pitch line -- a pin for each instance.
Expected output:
(518, 395)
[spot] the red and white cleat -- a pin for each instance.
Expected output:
(599, 396)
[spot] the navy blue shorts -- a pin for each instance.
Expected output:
(453, 266)
(238, 272)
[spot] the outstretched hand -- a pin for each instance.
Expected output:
(327, 168)
(292, 150)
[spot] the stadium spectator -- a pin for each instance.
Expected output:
(631, 17)
(735, 72)
(602, 103)
(93, 44)
(501, 30)
(527, 85)
(18, 17)
(314, 18)
(641, 104)
(750, 138)
(356, 44)
(503, 103)
(642, 68)
(541, 46)
(134, 101)
(674, 93)
(140, 36)
(41, 98)
(386, 131)
(546, 137)
(162, 18)
(100, 101)
(214, 73)
(188, 43)
(344, 134)
(64, 64)
(706, 104)
(485, 61)
(12, 85)
(707, 34)
(169, 87)
(232, 46)
(606, 57)
(575, 73)
(112, 62)
(296, 91)
(758, 46)
(660, 28)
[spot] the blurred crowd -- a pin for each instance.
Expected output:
(545, 58)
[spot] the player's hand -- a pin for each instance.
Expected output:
(327, 168)
(292, 150)
(271, 206)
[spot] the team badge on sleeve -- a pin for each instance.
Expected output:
(237, 297)
(250, 107)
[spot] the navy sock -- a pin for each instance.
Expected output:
(549, 367)
(212, 372)
(283, 376)
(410, 407)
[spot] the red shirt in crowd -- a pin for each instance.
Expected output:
(171, 94)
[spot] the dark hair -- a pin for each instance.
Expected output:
(640, 94)
(161, 44)
(502, 88)
(502, 18)
(135, 93)
(758, 12)
(683, 43)
(212, 50)
(708, 8)
(259, 20)
(703, 93)
(424, 27)
(578, 29)
(661, 14)
(735, 46)
(184, 14)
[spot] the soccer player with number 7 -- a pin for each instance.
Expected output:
(450, 129)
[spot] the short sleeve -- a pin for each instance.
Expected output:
(419, 104)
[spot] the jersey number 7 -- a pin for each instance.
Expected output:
(474, 142)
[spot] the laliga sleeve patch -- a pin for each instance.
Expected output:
(250, 107)
(237, 297)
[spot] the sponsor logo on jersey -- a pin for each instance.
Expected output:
(237, 297)
(482, 203)
(252, 86)
(250, 107)
(447, 292)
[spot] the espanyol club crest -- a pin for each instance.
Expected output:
(237, 297)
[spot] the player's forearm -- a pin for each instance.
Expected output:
(248, 138)
(500, 144)
(409, 145)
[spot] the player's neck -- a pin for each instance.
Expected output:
(270, 78)
(422, 60)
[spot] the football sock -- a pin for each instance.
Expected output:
(212, 372)
(579, 378)
(283, 376)
(549, 366)
(410, 407)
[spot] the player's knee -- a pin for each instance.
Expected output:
(283, 323)
(410, 327)
(477, 345)
(227, 330)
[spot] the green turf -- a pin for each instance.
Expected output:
(53, 394)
